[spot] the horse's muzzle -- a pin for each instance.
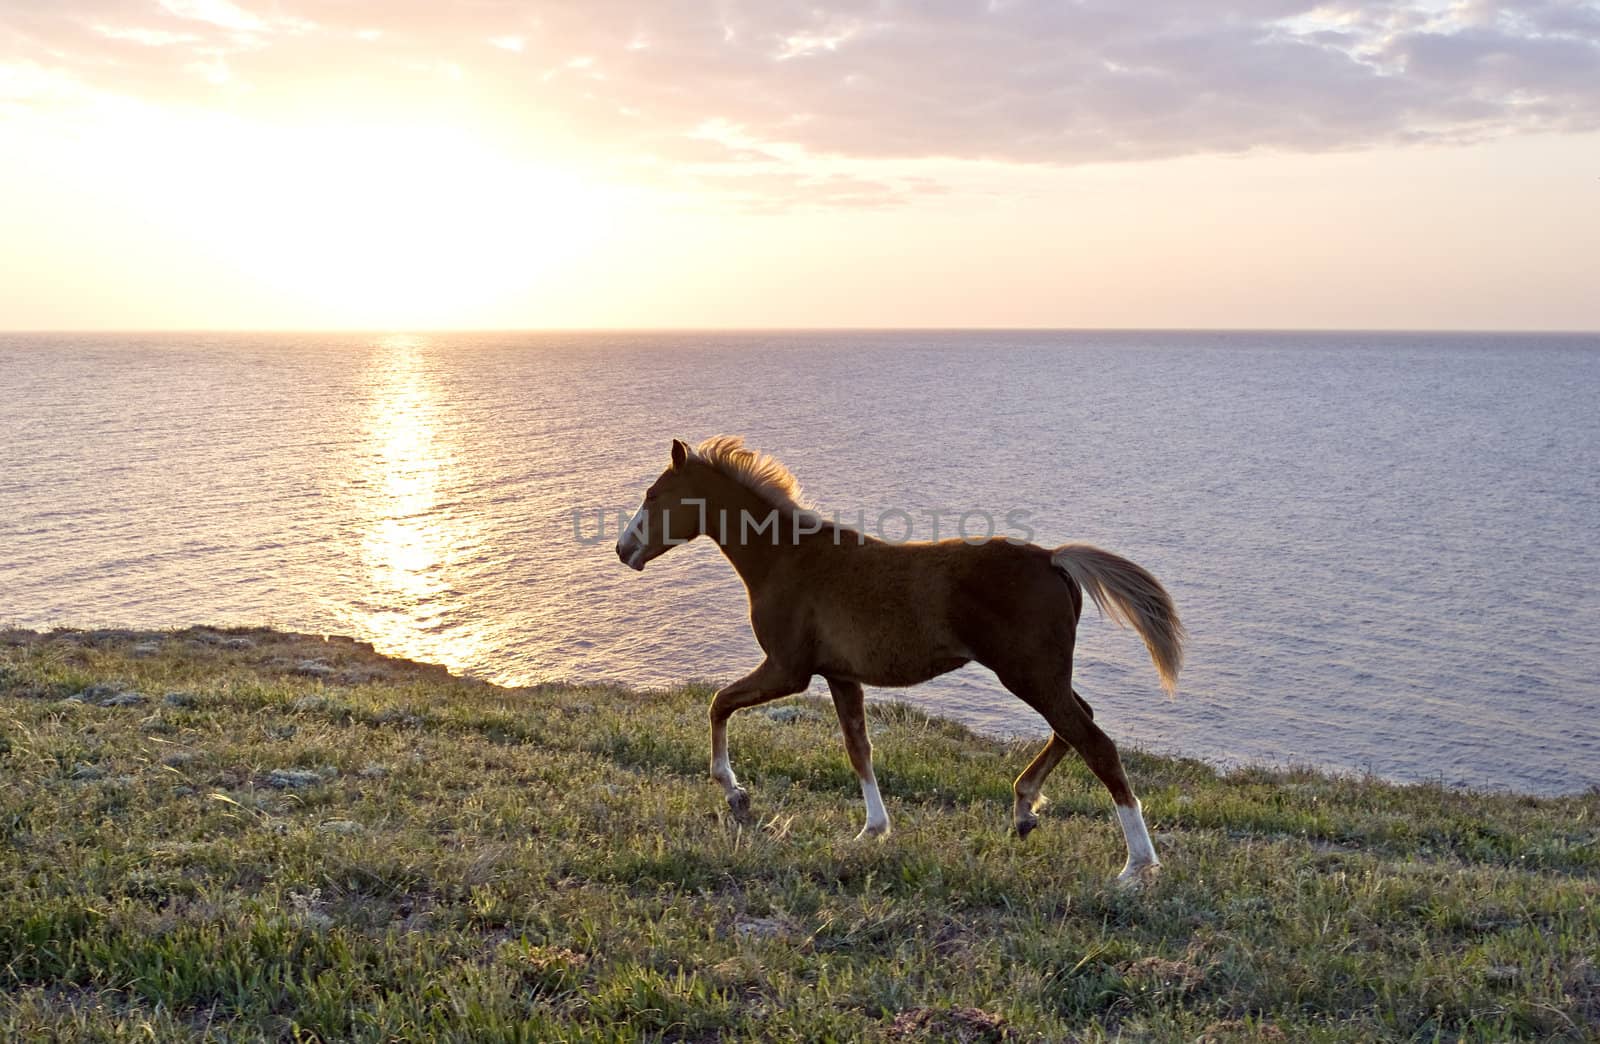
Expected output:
(632, 557)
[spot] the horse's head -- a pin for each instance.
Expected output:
(673, 512)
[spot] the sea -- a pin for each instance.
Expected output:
(1385, 546)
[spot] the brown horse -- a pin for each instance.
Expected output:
(825, 600)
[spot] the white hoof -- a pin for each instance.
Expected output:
(872, 830)
(1135, 876)
(739, 805)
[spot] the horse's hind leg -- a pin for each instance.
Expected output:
(1073, 723)
(1026, 788)
(1028, 785)
(850, 703)
(766, 683)
(1101, 756)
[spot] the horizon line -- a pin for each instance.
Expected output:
(377, 330)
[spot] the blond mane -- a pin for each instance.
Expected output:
(760, 473)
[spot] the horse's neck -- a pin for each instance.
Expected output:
(742, 524)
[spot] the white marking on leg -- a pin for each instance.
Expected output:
(1141, 853)
(877, 815)
(722, 771)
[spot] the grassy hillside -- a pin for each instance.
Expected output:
(245, 834)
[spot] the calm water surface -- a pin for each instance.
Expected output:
(1384, 545)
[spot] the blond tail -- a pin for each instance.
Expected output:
(1132, 597)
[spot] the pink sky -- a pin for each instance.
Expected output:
(622, 163)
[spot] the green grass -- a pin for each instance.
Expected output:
(357, 848)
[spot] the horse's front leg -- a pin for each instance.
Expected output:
(851, 704)
(762, 685)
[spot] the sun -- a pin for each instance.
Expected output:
(377, 225)
(417, 227)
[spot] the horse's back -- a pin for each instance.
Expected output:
(893, 615)
(1008, 599)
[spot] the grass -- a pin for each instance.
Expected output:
(242, 835)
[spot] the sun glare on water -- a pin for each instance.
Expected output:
(411, 539)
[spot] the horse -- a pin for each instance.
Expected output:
(830, 601)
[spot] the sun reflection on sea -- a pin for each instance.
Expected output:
(412, 540)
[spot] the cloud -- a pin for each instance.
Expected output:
(800, 90)
(776, 191)
(148, 37)
(220, 13)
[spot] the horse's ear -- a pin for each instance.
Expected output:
(680, 453)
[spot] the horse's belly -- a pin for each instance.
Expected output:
(894, 676)
(873, 657)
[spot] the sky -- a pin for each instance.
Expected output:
(423, 164)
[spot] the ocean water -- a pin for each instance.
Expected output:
(1384, 546)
